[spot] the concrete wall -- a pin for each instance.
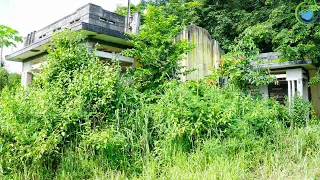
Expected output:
(204, 57)
(89, 13)
(315, 93)
(264, 90)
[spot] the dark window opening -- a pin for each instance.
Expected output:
(34, 50)
(279, 91)
(103, 19)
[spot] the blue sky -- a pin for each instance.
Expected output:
(30, 15)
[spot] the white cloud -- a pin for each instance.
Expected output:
(30, 15)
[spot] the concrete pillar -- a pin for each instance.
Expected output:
(26, 77)
(305, 91)
(290, 91)
(296, 84)
(300, 87)
(293, 88)
(133, 23)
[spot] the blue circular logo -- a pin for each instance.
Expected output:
(306, 13)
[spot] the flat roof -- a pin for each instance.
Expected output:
(307, 64)
(93, 20)
(95, 32)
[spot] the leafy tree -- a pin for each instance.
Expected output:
(158, 55)
(123, 10)
(269, 25)
(8, 37)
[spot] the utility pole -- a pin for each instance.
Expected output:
(128, 16)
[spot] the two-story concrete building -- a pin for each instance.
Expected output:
(102, 27)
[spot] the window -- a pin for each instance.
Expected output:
(103, 19)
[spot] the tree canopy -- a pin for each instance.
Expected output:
(271, 24)
(248, 27)
(8, 37)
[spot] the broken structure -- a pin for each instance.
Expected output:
(101, 26)
(293, 79)
(204, 57)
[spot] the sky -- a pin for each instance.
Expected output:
(31, 15)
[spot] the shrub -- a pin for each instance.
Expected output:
(74, 94)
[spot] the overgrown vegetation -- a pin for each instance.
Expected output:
(83, 119)
(9, 80)
(262, 25)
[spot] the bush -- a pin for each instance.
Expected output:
(9, 80)
(74, 94)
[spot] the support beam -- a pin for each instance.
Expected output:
(114, 55)
(26, 77)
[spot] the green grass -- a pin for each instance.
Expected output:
(294, 155)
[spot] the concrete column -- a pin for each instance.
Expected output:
(290, 91)
(295, 76)
(26, 77)
(300, 87)
(305, 91)
(293, 88)
(133, 23)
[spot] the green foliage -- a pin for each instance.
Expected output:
(266, 25)
(300, 112)
(156, 52)
(74, 95)
(8, 37)
(9, 80)
(82, 119)
(236, 67)
(123, 10)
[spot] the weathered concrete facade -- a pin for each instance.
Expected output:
(204, 57)
(101, 26)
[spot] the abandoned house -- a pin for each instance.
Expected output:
(293, 79)
(102, 27)
(108, 30)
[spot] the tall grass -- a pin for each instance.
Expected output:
(192, 131)
(295, 155)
